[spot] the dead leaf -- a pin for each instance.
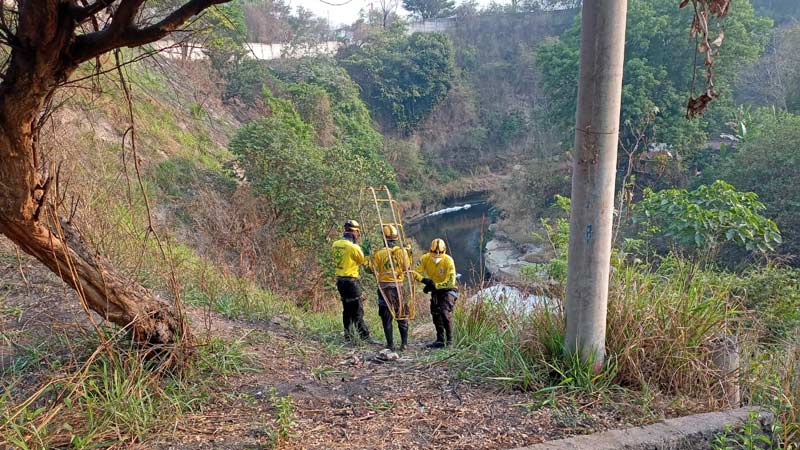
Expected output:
(718, 41)
(697, 106)
(719, 8)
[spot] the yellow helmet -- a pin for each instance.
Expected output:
(352, 225)
(438, 247)
(390, 233)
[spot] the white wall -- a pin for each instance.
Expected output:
(169, 49)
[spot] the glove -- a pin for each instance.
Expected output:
(365, 247)
(430, 286)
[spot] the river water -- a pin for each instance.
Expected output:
(463, 226)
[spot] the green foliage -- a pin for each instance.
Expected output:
(768, 163)
(223, 32)
(507, 127)
(222, 357)
(749, 437)
(556, 236)
(402, 78)
(771, 379)
(708, 216)
(774, 293)
(246, 81)
(405, 157)
(780, 10)
(659, 57)
(490, 345)
(429, 9)
(329, 100)
(281, 160)
(284, 419)
(541, 180)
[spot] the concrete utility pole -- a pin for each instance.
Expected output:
(595, 162)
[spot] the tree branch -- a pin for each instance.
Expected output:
(89, 45)
(82, 13)
(123, 17)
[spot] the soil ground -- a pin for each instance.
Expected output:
(342, 398)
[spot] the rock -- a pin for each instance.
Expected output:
(387, 355)
(503, 258)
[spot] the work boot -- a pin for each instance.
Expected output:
(437, 344)
(403, 339)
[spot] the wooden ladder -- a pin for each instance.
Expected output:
(388, 213)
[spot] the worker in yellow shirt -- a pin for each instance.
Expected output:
(349, 257)
(390, 264)
(437, 271)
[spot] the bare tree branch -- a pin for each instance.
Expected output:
(89, 11)
(89, 45)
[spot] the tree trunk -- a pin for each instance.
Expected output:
(34, 70)
(116, 299)
(47, 44)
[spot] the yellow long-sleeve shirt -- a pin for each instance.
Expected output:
(442, 273)
(348, 257)
(383, 267)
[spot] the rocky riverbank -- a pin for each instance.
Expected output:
(505, 258)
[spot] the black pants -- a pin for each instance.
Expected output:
(390, 298)
(442, 303)
(352, 307)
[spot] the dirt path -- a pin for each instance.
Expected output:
(341, 398)
(346, 399)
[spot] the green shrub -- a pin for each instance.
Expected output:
(767, 164)
(402, 77)
(773, 293)
(708, 216)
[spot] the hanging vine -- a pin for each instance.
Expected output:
(706, 45)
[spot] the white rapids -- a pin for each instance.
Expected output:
(513, 299)
(450, 210)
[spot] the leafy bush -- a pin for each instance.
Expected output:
(774, 294)
(246, 81)
(281, 160)
(402, 78)
(768, 163)
(708, 216)
(329, 100)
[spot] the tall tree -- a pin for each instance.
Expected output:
(659, 56)
(387, 9)
(45, 41)
(430, 9)
(774, 80)
(402, 78)
(268, 21)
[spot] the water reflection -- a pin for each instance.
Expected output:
(463, 228)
